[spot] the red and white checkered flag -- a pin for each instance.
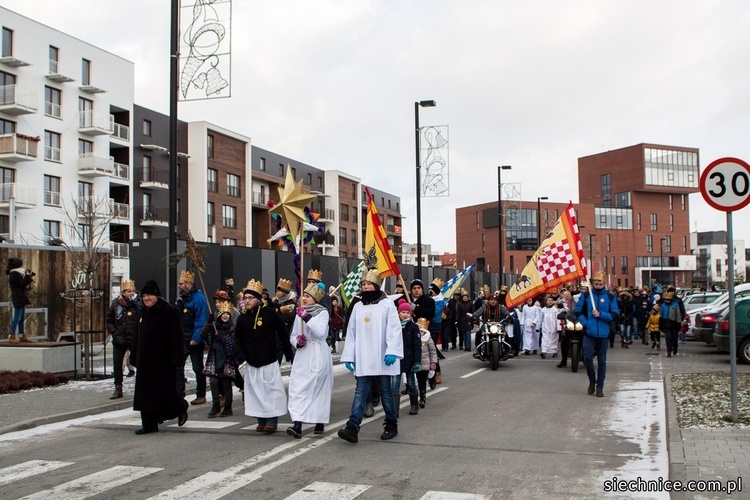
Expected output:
(556, 261)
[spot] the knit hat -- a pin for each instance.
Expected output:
(151, 288)
(403, 306)
(13, 263)
(416, 282)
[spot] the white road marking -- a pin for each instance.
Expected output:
(209, 486)
(29, 469)
(205, 424)
(96, 483)
(471, 374)
(450, 495)
(320, 490)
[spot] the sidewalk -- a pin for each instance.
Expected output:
(694, 454)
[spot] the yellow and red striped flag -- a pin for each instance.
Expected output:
(377, 251)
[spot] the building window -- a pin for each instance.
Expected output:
(84, 235)
(389, 204)
(353, 241)
(210, 214)
(649, 243)
(85, 148)
(233, 185)
(227, 242)
(653, 222)
(146, 235)
(342, 236)
(51, 228)
(7, 176)
(671, 223)
(476, 219)
(624, 265)
(344, 212)
(147, 128)
(638, 221)
(85, 192)
(85, 72)
(85, 113)
(309, 179)
(684, 244)
(354, 215)
(320, 182)
(7, 49)
(609, 242)
(6, 80)
(229, 216)
(148, 212)
(682, 201)
(147, 174)
(294, 173)
(667, 244)
(484, 241)
(354, 191)
(52, 146)
(262, 164)
(281, 170)
(606, 184)
(211, 180)
(210, 146)
(52, 191)
(7, 126)
(671, 202)
(54, 60)
(52, 102)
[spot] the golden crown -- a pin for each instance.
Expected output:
(438, 283)
(373, 276)
(486, 288)
(284, 284)
(315, 274)
(229, 282)
(315, 292)
(225, 307)
(423, 323)
(187, 276)
(254, 286)
(599, 275)
(128, 285)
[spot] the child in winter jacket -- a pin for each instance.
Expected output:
(428, 361)
(653, 327)
(684, 328)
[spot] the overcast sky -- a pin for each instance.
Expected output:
(532, 84)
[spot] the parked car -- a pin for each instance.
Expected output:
(742, 330)
(698, 300)
(705, 317)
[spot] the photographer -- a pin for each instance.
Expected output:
(20, 281)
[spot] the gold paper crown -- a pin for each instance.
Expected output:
(229, 282)
(486, 288)
(284, 285)
(423, 323)
(438, 283)
(599, 275)
(225, 307)
(254, 287)
(315, 292)
(128, 285)
(373, 276)
(187, 276)
(504, 288)
(315, 274)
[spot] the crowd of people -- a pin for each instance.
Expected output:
(390, 341)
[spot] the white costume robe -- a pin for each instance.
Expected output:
(550, 323)
(530, 314)
(264, 391)
(374, 330)
(311, 381)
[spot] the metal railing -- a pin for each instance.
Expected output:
(52, 109)
(15, 145)
(53, 67)
(120, 250)
(328, 214)
(121, 132)
(52, 198)
(122, 171)
(51, 154)
(259, 198)
(119, 210)
(90, 119)
(13, 95)
(23, 194)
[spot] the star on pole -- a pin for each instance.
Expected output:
(291, 207)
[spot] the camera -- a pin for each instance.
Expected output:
(30, 273)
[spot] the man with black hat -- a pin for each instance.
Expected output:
(122, 324)
(424, 307)
(157, 355)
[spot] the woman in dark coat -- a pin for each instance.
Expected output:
(157, 354)
(19, 280)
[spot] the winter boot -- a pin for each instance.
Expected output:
(295, 430)
(227, 411)
(25, 340)
(349, 433)
(397, 402)
(319, 429)
(390, 431)
(12, 339)
(413, 400)
(117, 394)
(422, 401)
(215, 410)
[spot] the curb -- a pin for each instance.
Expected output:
(60, 417)
(675, 449)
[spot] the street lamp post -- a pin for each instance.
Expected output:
(539, 220)
(500, 236)
(661, 258)
(417, 139)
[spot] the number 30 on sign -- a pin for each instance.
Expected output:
(725, 184)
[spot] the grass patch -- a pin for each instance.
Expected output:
(703, 400)
(18, 381)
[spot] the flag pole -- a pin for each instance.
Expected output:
(403, 283)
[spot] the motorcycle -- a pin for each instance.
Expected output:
(574, 331)
(494, 346)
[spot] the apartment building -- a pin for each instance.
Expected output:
(65, 145)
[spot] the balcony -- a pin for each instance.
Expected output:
(151, 178)
(93, 123)
(23, 196)
(54, 73)
(13, 62)
(16, 100)
(121, 132)
(328, 215)
(122, 171)
(260, 199)
(120, 250)
(90, 89)
(152, 216)
(18, 147)
(91, 165)
(120, 212)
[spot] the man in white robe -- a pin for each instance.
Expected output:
(374, 345)
(530, 320)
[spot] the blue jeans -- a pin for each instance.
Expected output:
(268, 421)
(625, 330)
(385, 384)
(595, 346)
(19, 314)
(411, 383)
(467, 340)
(196, 359)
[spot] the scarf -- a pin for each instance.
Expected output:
(314, 310)
(405, 322)
(425, 337)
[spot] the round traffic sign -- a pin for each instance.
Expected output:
(725, 184)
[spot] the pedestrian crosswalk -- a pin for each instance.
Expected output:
(207, 486)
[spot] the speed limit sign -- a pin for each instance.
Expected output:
(725, 184)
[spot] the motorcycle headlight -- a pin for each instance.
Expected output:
(569, 325)
(494, 329)
(579, 326)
